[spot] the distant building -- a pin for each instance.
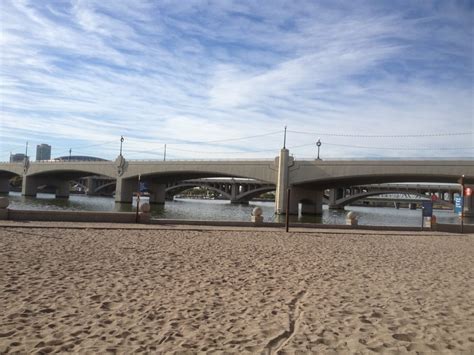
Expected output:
(79, 157)
(43, 152)
(17, 158)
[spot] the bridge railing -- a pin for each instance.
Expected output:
(70, 161)
(181, 160)
(386, 159)
(411, 186)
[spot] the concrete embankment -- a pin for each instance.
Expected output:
(76, 216)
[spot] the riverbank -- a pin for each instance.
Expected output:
(183, 288)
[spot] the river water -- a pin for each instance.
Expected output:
(223, 210)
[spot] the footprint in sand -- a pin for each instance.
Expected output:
(403, 337)
(106, 306)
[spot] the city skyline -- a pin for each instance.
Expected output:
(371, 79)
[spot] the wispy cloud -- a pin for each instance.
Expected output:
(82, 73)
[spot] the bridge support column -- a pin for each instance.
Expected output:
(451, 197)
(334, 195)
(469, 204)
(90, 185)
(282, 181)
(234, 191)
(157, 193)
(4, 185)
(125, 189)
(62, 189)
(29, 186)
(311, 201)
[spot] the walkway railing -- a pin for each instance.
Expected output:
(387, 159)
(211, 159)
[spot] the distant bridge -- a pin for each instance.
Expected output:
(235, 190)
(443, 193)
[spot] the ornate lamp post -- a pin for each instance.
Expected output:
(318, 144)
(121, 142)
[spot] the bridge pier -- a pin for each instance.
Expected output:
(234, 192)
(451, 197)
(29, 186)
(90, 185)
(311, 201)
(282, 181)
(334, 195)
(125, 189)
(62, 189)
(239, 202)
(4, 185)
(157, 193)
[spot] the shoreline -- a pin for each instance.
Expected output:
(234, 226)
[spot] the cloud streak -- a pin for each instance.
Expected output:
(81, 73)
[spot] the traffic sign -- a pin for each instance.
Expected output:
(427, 208)
(467, 191)
(434, 198)
(458, 203)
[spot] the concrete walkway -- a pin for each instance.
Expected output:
(204, 227)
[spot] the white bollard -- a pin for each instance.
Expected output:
(351, 219)
(257, 217)
(145, 213)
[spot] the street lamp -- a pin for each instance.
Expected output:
(121, 141)
(318, 144)
(70, 150)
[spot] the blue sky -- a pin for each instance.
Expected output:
(198, 75)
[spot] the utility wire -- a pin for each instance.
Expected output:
(383, 148)
(230, 139)
(386, 136)
(213, 152)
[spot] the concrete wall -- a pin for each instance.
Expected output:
(76, 216)
(454, 228)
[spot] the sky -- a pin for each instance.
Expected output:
(222, 79)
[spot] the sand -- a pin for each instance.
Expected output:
(254, 291)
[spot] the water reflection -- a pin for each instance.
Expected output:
(223, 210)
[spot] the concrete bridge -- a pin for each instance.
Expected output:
(241, 191)
(307, 179)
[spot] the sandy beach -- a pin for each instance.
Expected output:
(254, 291)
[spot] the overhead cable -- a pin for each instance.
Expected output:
(386, 135)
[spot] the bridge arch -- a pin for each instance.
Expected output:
(6, 174)
(249, 195)
(104, 186)
(350, 199)
(52, 176)
(186, 186)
